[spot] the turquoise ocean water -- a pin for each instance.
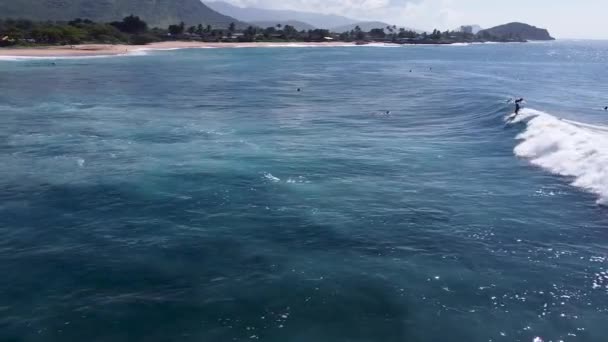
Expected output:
(195, 195)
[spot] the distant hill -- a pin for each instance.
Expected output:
(365, 26)
(160, 13)
(299, 25)
(250, 14)
(521, 30)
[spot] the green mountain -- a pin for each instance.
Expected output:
(517, 30)
(157, 13)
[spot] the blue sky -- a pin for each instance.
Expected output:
(563, 18)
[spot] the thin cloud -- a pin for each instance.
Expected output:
(563, 18)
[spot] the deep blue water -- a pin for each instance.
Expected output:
(195, 195)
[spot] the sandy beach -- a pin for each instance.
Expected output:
(89, 50)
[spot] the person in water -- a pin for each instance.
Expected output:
(518, 103)
(606, 108)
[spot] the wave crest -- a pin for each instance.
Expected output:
(566, 148)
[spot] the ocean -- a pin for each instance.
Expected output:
(196, 195)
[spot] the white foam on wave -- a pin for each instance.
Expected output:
(271, 178)
(136, 52)
(145, 51)
(10, 58)
(383, 45)
(34, 58)
(291, 45)
(567, 148)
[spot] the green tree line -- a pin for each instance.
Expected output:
(133, 30)
(130, 30)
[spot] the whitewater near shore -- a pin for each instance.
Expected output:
(114, 50)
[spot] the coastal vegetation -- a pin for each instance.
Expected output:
(133, 30)
(25, 32)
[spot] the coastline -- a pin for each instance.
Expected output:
(109, 50)
(101, 50)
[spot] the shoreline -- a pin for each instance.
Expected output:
(109, 50)
(105, 50)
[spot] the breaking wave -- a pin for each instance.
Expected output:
(567, 148)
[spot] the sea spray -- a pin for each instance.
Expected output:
(566, 148)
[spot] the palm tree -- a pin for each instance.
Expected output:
(359, 35)
(250, 32)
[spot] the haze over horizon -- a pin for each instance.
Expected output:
(564, 19)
